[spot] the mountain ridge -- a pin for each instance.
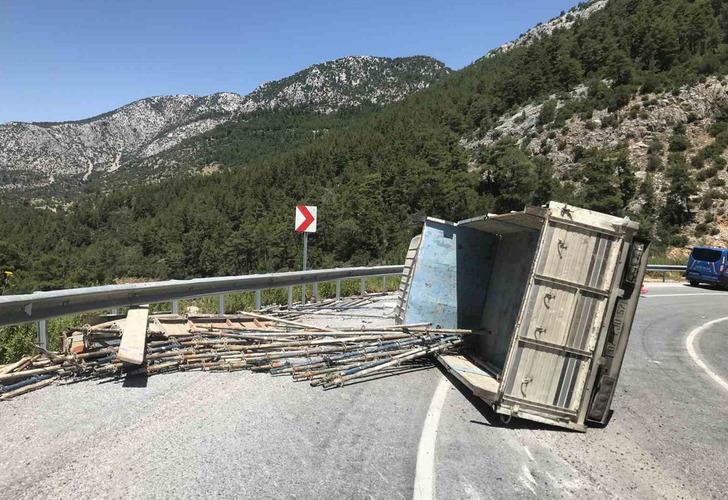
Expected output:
(35, 155)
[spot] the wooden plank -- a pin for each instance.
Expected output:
(13, 366)
(134, 336)
(483, 384)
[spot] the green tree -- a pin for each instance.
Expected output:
(512, 179)
(649, 211)
(607, 181)
(682, 186)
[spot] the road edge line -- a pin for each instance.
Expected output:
(425, 467)
(689, 341)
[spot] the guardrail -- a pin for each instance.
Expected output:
(665, 268)
(40, 306)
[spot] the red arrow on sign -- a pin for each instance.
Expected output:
(308, 218)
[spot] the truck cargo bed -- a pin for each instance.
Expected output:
(549, 293)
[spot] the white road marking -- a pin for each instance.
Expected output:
(527, 478)
(425, 468)
(693, 353)
(648, 296)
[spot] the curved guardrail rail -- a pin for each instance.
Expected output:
(38, 306)
(665, 268)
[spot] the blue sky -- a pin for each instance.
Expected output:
(71, 59)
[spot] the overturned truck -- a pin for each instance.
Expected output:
(551, 291)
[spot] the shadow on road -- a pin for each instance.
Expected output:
(136, 380)
(706, 286)
(493, 419)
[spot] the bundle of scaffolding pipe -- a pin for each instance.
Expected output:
(323, 356)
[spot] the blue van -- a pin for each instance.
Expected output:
(707, 265)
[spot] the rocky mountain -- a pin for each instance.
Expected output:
(653, 128)
(52, 158)
(348, 82)
(562, 22)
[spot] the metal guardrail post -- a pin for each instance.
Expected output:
(175, 307)
(315, 292)
(42, 333)
(290, 297)
(258, 300)
(384, 284)
(338, 290)
(303, 294)
(362, 287)
(221, 304)
(114, 311)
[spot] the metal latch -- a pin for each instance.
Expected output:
(539, 331)
(524, 383)
(561, 246)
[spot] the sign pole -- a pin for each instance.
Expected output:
(305, 261)
(306, 223)
(305, 251)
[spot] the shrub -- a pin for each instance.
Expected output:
(620, 98)
(654, 163)
(547, 113)
(706, 173)
(706, 201)
(653, 83)
(716, 182)
(717, 194)
(697, 161)
(718, 128)
(655, 146)
(679, 142)
(610, 120)
(677, 240)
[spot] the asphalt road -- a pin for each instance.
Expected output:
(247, 435)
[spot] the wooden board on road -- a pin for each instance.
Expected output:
(134, 336)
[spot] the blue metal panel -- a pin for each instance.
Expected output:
(433, 292)
(450, 276)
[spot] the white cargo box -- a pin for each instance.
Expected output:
(552, 292)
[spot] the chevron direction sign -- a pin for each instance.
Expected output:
(305, 219)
